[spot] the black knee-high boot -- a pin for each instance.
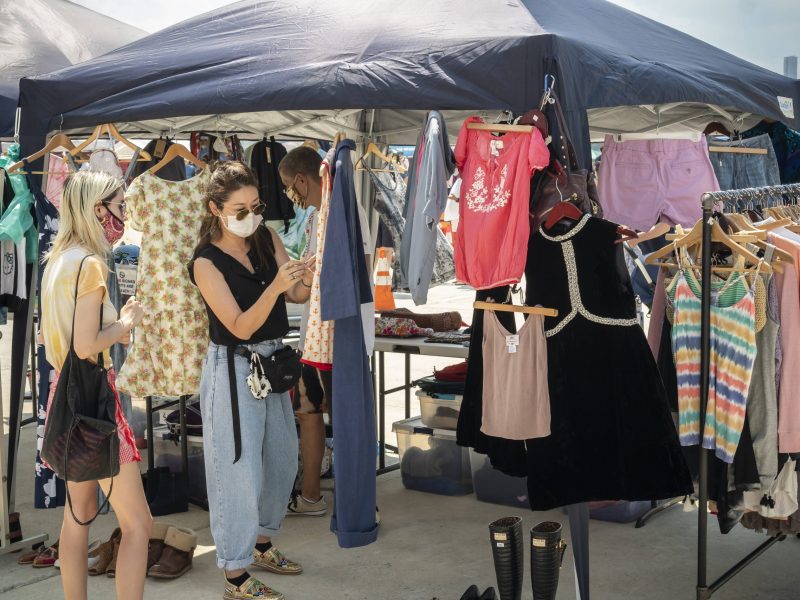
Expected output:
(547, 553)
(508, 552)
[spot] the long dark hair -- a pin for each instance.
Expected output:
(226, 178)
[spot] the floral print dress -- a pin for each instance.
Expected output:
(168, 348)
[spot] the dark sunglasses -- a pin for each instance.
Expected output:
(242, 214)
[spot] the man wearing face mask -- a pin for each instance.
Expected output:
(300, 174)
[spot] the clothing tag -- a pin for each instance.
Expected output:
(496, 146)
(787, 106)
(161, 146)
(512, 341)
(269, 155)
(500, 545)
(126, 277)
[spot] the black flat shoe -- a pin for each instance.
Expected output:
(489, 594)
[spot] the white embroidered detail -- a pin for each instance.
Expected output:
(575, 293)
(478, 196)
(560, 238)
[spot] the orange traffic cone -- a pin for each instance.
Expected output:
(384, 300)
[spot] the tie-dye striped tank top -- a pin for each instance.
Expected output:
(733, 352)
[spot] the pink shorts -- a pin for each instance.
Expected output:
(128, 452)
(643, 182)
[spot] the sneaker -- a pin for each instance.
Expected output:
(249, 590)
(275, 562)
(301, 507)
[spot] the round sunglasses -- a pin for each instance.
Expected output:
(241, 215)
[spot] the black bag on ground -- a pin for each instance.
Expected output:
(80, 438)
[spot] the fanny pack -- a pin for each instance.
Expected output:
(276, 374)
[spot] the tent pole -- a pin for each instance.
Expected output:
(21, 343)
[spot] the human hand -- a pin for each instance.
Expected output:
(131, 314)
(288, 275)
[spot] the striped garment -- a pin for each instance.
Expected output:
(733, 352)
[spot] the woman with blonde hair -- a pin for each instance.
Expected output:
(91, 220)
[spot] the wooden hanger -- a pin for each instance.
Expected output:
(737, 150)
(177, 151)
(501, 127)
(528, 310)
(59, 140)
(373, 150)
(655, 231)
(110, 130)
(695, 237)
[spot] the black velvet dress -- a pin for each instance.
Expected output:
(612, 435)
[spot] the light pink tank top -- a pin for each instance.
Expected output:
(516, 398)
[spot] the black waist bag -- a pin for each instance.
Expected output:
(274, 374)
(80, 438)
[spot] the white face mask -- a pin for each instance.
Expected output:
(244, 228)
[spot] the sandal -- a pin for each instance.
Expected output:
(111, 571)
(28, 557)
(103, 555)
(47, 557)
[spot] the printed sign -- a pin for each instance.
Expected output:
(787, 106)
(126, 277)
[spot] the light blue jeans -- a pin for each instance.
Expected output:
(249, 497)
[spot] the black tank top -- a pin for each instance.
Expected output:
(246, 288)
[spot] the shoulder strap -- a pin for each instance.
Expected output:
(75, 307)
(566, 139)
(100, 360)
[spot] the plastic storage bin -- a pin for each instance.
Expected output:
(168, 454)
(430, 459)
(496, 487)
(439, 411)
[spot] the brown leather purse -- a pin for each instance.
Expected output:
(563, 183)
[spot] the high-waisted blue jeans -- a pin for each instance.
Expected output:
(247, 498)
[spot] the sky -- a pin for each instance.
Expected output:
(761, 31)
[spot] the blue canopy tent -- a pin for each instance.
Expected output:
(40, 36)
(310, 68)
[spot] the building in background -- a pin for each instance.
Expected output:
(790, 66)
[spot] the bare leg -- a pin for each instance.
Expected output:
(312, 449)
(74, 541)
(133, 514)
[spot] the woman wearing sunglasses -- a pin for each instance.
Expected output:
(245, 276)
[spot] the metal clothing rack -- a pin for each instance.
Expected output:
(771, 196)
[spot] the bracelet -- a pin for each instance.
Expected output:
(306, 285)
